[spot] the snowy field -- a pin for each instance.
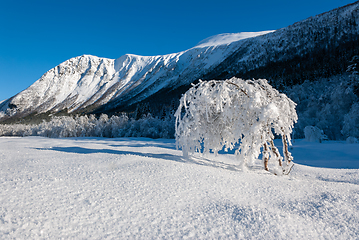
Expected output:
(98, 188)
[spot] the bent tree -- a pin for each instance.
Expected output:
(237, 114)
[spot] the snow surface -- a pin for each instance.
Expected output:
(97, 188)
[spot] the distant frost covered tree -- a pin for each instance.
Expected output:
(314, 134)
(240, 114)
(91, 126)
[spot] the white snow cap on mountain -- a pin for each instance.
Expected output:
(227, 38)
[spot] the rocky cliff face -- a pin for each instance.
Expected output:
(68, 85)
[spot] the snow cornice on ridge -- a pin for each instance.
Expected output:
(228, 38)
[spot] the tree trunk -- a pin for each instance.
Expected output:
(265, 156)
(276, 153)
(287, 156)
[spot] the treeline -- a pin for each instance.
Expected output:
(91, 126)
(331, 104)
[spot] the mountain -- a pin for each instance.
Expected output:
(87, 82)
(320, 46)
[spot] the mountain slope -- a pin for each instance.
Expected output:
(319, 46)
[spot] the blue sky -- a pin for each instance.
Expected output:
(37, 35)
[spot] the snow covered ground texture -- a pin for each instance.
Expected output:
(97, 188)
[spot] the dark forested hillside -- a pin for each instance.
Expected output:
(317, 47)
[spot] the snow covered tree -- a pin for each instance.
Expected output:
(314, 134)
(236, 114)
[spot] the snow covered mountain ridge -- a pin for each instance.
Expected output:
(88, 84)
(89, 81)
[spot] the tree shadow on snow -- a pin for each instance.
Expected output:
(132, 142)
(81, 150)
(164, 156)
